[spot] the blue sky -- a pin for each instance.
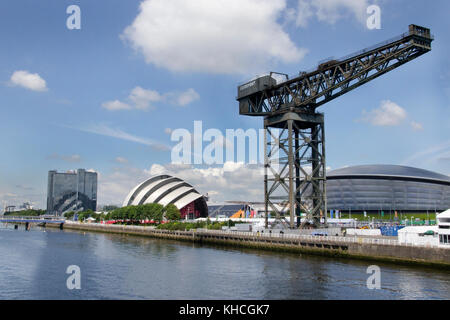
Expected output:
(171, 63)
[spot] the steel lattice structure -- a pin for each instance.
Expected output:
(290, 106)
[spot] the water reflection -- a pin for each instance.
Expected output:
(33, 266)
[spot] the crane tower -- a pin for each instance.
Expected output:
(294, 131)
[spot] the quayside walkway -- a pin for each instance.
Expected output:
(28, 221)
(41, 219)
(352, 247)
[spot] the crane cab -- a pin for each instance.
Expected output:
(253, 91)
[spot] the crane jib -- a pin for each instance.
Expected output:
(333, 77)
(294, 132)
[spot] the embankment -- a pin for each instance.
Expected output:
(325, 246)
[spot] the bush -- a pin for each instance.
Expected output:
(26, 213)
(182, 226)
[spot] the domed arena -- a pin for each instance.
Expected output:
(387, 187)
(164, 190)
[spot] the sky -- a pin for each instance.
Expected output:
(108, 94)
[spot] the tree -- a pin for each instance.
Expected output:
(110, 208)
(132, 214)
(26, 213)
(86, 214)
(154, 211)
(69, 215)
(172, 213)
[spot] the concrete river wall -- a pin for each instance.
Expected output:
(347, 247)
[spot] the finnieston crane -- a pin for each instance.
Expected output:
(294, 135)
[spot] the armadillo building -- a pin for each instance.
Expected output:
(71, 191)
(387, 188)
(165, 189)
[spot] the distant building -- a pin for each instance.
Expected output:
(71, 191)
(226, 210)
(164, 190)
(24, 206)
(9, 209)
(242, 211)
(387, 188)
(444, 229)
(419, 236)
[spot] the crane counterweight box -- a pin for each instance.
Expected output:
(254, 88)
(256, 85)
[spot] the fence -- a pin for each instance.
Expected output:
(262, 235)
(35, 218)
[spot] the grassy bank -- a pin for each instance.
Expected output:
(390, 216)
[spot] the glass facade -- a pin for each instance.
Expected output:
(71, 191)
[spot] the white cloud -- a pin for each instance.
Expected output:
(71, 158)
(330, 11)
(30, 195)
(430, 155)
(213, 36)
(121, 160)
(115, 186)
(183, 98)
(143, 99)
(304, 13)
(388, 114)
(416, 126)
(30, 81)
(232, 181)
(104, 130)
(22, 187)
(232, 166)
(116, 105)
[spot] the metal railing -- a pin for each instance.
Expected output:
(359, 52)
(23, 218)
(266, 235)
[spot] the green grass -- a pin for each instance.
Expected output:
(389, 217)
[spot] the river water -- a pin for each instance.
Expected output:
(33, 265)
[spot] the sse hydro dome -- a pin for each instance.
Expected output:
(165, 189)
(387, 188)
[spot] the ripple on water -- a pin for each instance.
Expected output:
(33, 266)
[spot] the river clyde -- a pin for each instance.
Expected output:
(33, 266)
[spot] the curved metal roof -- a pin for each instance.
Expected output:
(164, 190)
(388, 171)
